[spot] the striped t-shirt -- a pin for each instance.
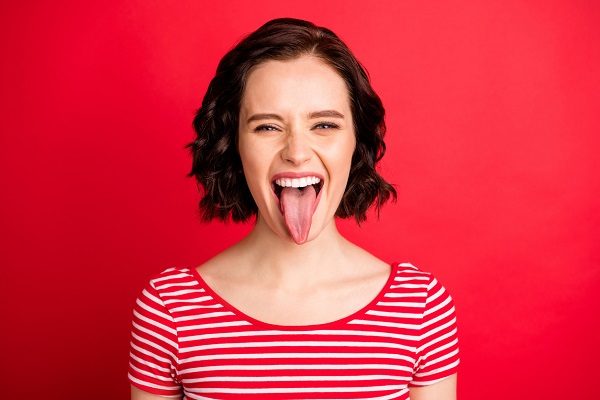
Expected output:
(188, 342)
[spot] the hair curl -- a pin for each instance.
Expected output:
(216, 163)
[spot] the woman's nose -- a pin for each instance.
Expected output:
(297, 149)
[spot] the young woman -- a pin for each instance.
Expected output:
(290, 132)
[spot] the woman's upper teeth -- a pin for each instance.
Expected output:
(297, 182)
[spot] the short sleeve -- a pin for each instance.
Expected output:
(154, 349)
(437, 352)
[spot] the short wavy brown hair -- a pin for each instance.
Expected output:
(216, 162)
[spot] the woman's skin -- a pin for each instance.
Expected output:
(295, 118)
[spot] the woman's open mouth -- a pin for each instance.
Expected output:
(297, 183)
(298, 200)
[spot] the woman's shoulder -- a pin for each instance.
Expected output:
(406, 275)
(406, 268)
(174, 289)
(407, 278)
(170, 279)
(173, 273)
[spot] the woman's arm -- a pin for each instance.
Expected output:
(138, 394)
(442, 390)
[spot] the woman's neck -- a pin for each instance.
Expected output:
(289, 264)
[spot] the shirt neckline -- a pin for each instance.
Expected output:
(326, 325)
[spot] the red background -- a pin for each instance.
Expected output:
(493, 135)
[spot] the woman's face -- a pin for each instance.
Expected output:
(296, 140)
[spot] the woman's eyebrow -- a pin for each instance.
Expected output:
(312, 115)
(326, 114)
(258, 117)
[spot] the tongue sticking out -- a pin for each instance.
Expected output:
(297, 206)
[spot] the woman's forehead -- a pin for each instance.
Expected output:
(304, 84)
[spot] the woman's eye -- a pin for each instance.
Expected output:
(267, 128)
(326, 125)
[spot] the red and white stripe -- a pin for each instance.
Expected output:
(187, 341)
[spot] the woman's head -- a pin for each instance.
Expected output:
(216, 161)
